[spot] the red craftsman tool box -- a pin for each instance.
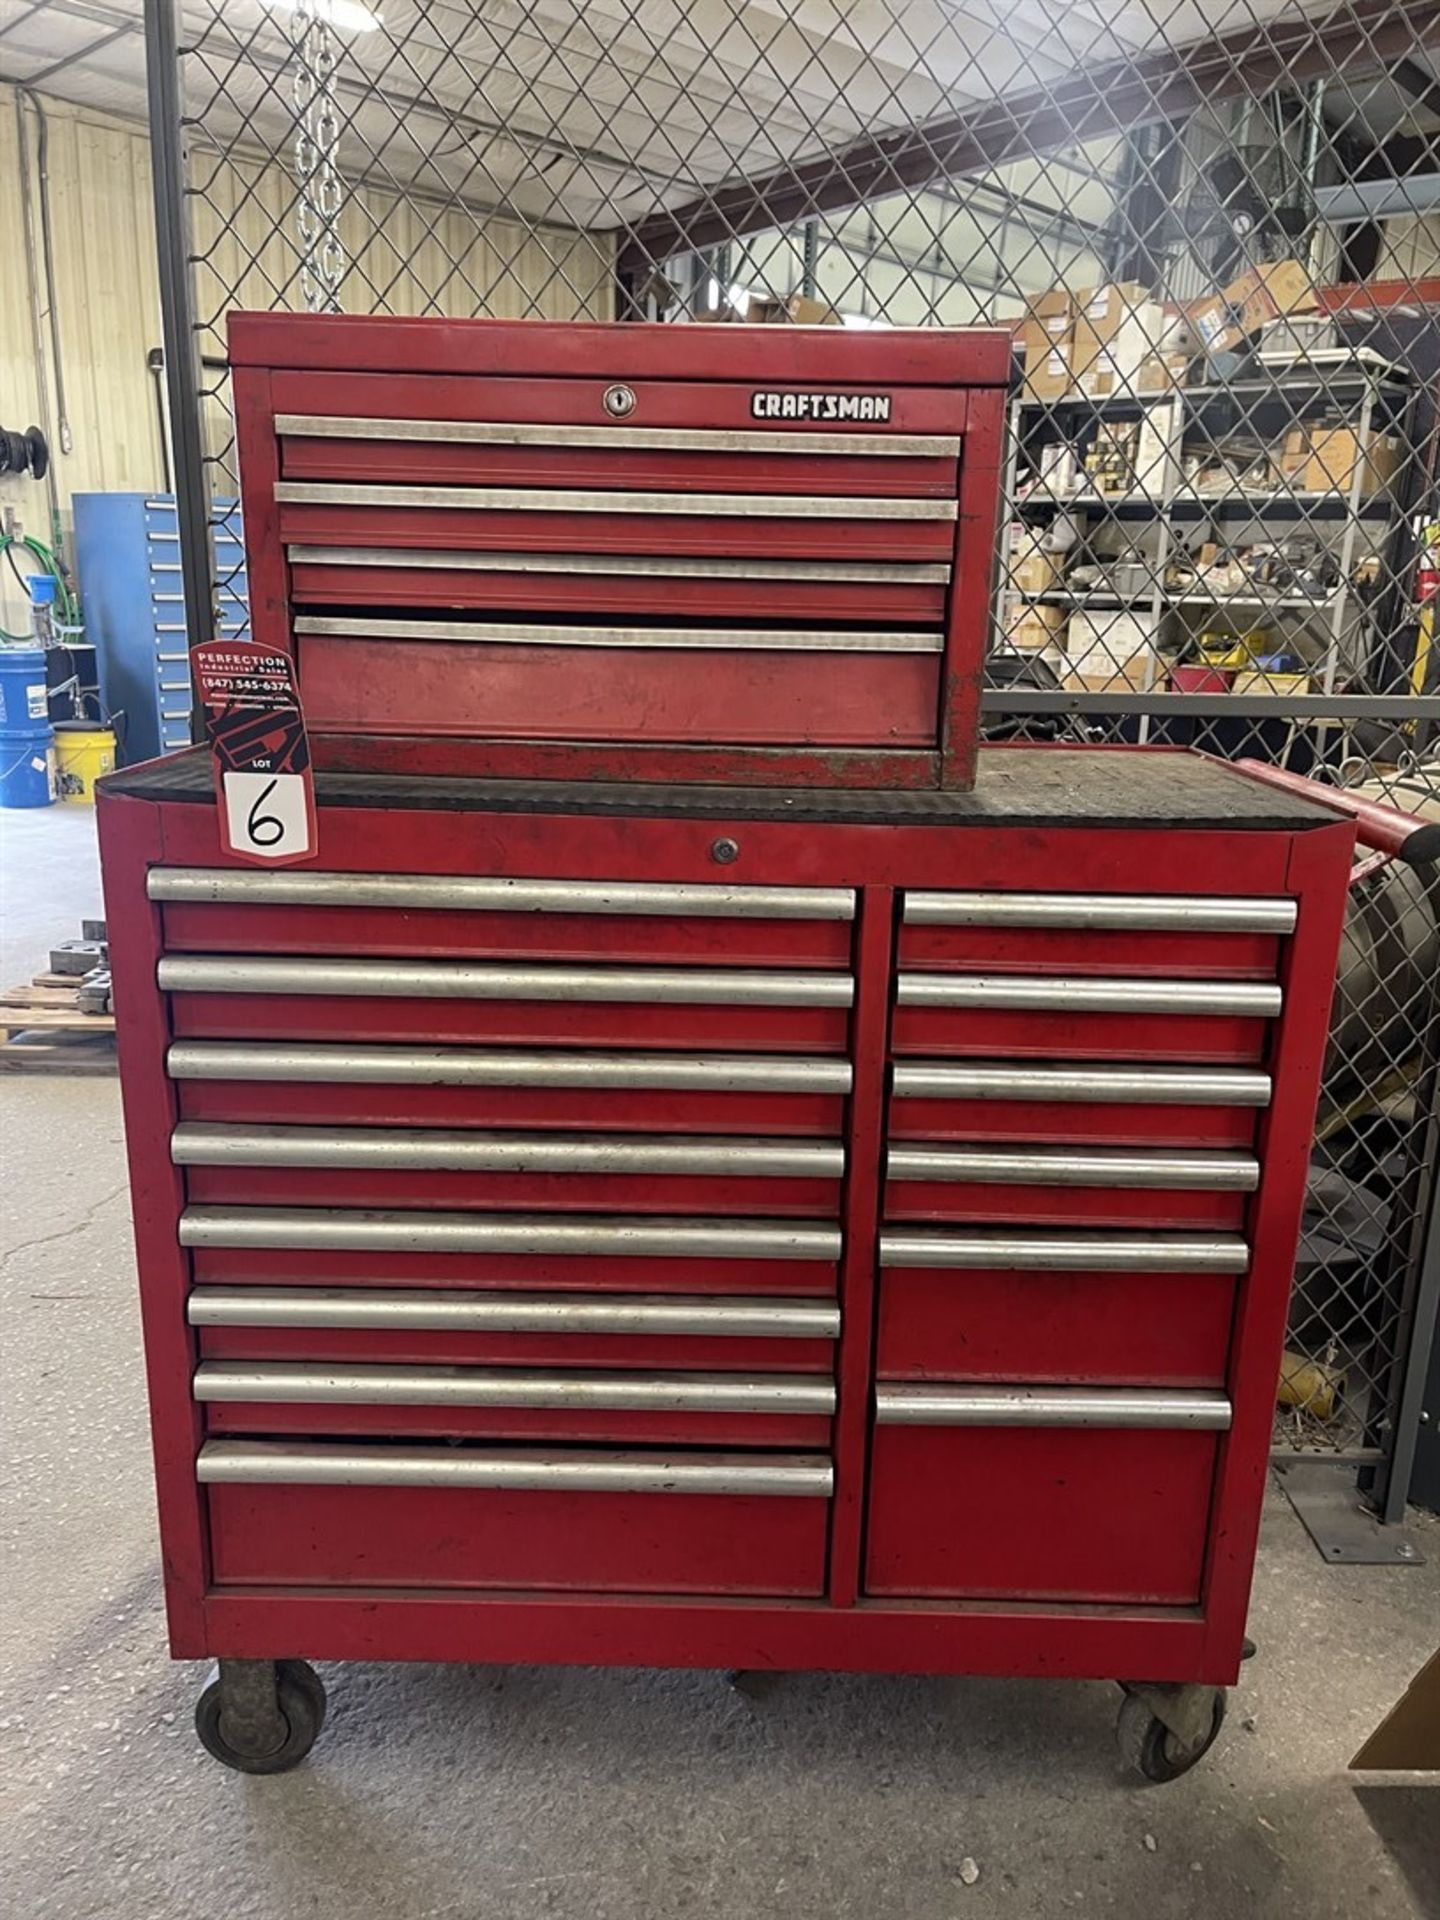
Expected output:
(835, 1217)
(758, 554)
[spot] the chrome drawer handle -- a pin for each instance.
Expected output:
(272, 1463)
(197, 1143)
(1067, 1252)
(617, 1236)
(1099, 911)
(516, 433)
(1044, 994)
(467, 893)
(287, 1061)
(1146, 1407)
(1060, 1167)
(298, 1383)
(697, 567)
(655, 1316)
(460, 980)
(700, 639)
(1141, 1086)
(741, 506)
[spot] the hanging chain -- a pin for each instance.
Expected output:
(317, 139)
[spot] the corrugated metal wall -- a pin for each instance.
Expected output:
(108, 298)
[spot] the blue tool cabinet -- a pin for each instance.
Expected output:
(127, 558)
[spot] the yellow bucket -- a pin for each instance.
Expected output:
(82, 754)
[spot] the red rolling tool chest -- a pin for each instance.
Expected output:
(724, 1193)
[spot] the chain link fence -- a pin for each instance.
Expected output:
(1214, 230)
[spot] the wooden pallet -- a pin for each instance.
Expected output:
(42, 1029)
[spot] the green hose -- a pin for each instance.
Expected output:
(67, 605)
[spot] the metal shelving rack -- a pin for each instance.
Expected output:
(1286, 393)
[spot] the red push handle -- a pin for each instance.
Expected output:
(1404, 836)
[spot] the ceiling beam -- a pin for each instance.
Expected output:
(1094, 103)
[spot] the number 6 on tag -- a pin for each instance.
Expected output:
(267, 816)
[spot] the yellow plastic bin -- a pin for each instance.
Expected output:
(82, 754)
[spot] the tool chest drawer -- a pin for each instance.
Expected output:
(1075, 1103)
(586, 1406)
(1101, 1186)
(325, 1514)
(470, 916)
(592, 1252)
(1098, 1309)
(1041, 1493)
(239, 996)
(583, 531)
(562, 1173)
(1209, 937)
(458, 1327)
(398, 1086)
(1082, 1018)
(1088, 976)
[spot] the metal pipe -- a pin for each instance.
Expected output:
(1143, 1407)
(457, 1066)
(1132, 912)
(769, 506)
(32, 280)
(467, 893)
(1067, 1167)
(1064, 1252)
(649, 566)
(415, 1310)
(200, 1143)
(47, 246)
(270, 1463)
(461, 980)
(610, 1236)
(580, 1389)
(507, 433)
(1142, 1086)
(703, 639)
(167, 152)
(1046, 994)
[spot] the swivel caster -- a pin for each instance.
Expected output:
(1163, 1730)
(261, 1716)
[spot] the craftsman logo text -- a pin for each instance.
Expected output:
(820, 406)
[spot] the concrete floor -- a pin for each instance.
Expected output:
(468, 1792)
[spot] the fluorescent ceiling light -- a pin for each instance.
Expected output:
(350, 16)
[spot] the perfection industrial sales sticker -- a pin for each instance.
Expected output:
(263, 779)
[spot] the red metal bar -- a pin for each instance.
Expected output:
(1405, 836)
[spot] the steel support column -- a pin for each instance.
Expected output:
(182, 369)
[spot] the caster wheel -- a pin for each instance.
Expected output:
(301, 1700)
(304, 1676)
(1148, 1745)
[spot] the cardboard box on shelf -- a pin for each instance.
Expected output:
(794, 309)
(1294, 456)
(1334, 453)
(1111, 650)
(1116, 329)
(1031, 629)
(1223, 320)
(1138, 674)
(1046, 334)
(1034, 568)
(1161, 372)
